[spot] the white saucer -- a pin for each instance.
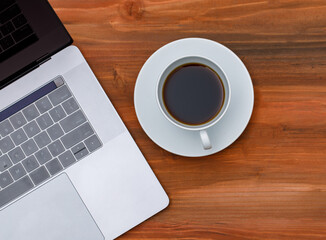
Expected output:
(184, 142)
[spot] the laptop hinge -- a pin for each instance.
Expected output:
(42, 59)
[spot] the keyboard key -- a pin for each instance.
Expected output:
(57, 113)
(31, 112)
(22, 33)
(70, 106)
(42, 139)
(78, 148)
(29, 147)
(18, 120)
(73, 121)
(19, 136)
(56, 148)
(39, 175)
(67, 159)
(77, 135)
(93, 143)
(58, 81)
(43, 104)
(55, 132)
(6, 42)
(82, 152)
(43, 156)
(19, 21)
(9, 13)
(17, 171)
(15, 190)
(5, 163)
(32, 129)
(54, 166)
(5, 128)
(44, 121)
(7, 28)
(5, 179)
(30, 163)
(16, 155)
(6, 144)
(59, 95)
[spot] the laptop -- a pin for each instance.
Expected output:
(69, 168)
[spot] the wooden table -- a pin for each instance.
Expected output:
(269, 184)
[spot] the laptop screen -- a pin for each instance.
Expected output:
(30, 32)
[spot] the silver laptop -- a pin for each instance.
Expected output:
(69, 168)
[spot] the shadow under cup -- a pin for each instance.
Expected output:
(182, 63)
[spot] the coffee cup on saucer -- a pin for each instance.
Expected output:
(193, 93)
(183, 97)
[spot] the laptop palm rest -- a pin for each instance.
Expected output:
(54, 211)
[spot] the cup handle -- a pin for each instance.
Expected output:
(205, 140)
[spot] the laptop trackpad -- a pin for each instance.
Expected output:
(54, 211)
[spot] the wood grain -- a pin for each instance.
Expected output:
(271, 183)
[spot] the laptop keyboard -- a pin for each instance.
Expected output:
(15, 32)
(41, 135)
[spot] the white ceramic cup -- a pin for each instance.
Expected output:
(202, 129)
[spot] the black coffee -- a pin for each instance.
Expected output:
(193, 94)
